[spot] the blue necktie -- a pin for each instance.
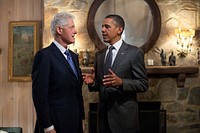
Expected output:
(108, 60)
(70, 61)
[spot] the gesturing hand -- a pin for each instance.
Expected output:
(112, 80)
(52, 131)
(88, 78)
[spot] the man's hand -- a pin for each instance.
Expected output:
(83, 122)
(52, 131)
(112, 80)
(88, 78)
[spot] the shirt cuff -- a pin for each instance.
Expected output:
(48, 128)
(92, 85)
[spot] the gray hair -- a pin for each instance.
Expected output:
(60, 19)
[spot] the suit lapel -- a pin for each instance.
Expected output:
(119, 57)
(56, 52)
(62, 59)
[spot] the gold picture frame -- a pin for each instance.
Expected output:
(23, 44)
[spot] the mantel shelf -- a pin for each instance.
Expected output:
(179, 72)
(172, 70)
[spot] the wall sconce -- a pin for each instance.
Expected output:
(184, 39)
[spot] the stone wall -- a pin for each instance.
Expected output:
(182, 104)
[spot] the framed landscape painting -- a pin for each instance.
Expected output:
(23, 44)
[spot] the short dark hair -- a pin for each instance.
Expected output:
(118, 20)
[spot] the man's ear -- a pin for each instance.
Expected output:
(120, 30)
(59, 30)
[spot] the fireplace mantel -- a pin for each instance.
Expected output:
(179, 72)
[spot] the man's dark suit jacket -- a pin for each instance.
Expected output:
(57, 94)
(120, 104)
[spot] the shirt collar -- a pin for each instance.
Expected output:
(117, 45)
(60, 47)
